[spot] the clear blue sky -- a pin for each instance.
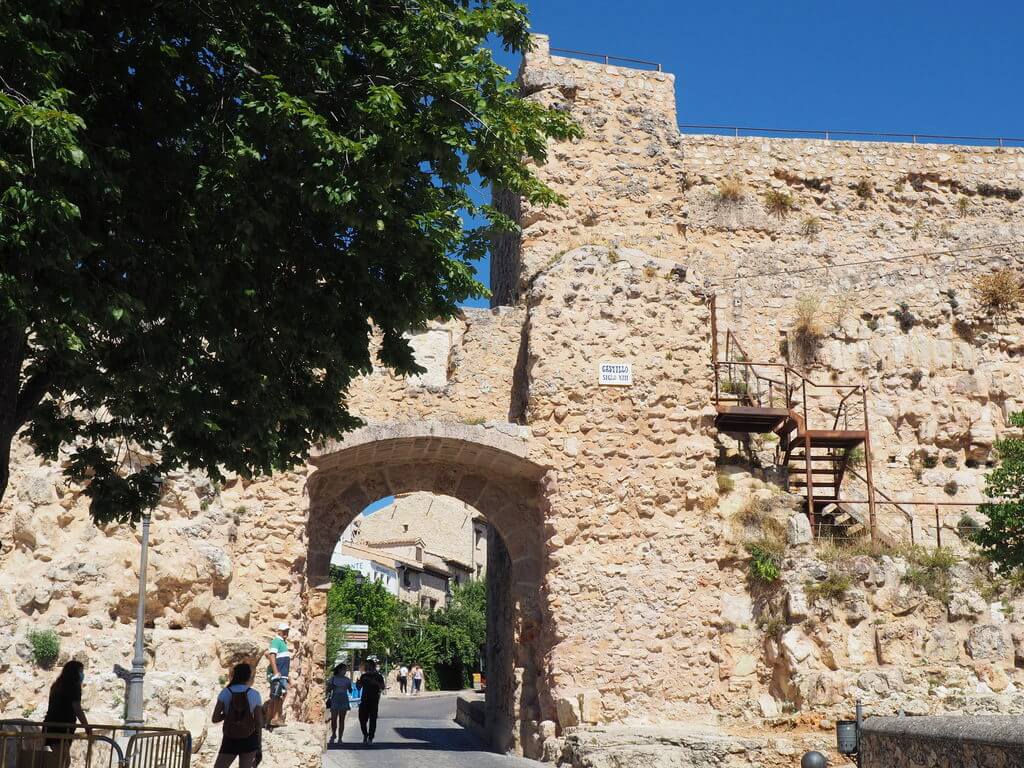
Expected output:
(903, 66)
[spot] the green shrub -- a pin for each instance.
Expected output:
(949, 460)
(45, 647)
(963, 206)
(765, 560)
(725, 483)
(929, 461)
(951, 488)
(832, 587)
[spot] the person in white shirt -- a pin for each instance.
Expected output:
(240, 708)
(403, 679)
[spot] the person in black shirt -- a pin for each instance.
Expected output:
(63, 708)
(371, 684)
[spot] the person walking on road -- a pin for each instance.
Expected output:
(240, 708)
(338, 689)
(64, 706)
(417, 678)
(403, 679)
(370, 685)
(280, 659)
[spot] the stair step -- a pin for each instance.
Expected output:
(814, 457)
(816, 471)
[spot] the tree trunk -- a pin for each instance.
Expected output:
(12, 356)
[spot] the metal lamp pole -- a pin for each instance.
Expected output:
(133, 699)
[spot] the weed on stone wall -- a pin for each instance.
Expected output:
(1000, 290)
(904, 316)
(929, 570)
(832, 587)
(864, 189)
(808, 329)
(810, 227)
(45, 647)
(725, 483)
(779, 203)
(731, 190)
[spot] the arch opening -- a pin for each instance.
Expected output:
(484, 471)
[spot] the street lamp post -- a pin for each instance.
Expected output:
(133, 699)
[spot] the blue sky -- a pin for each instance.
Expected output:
(903, 66)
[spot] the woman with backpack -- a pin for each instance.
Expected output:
(241, 709)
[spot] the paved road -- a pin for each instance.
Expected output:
(416, 733)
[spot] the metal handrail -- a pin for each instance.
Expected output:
(828, 134)
(134, 746)
(607, 58)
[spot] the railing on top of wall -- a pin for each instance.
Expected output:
(608, 59)
(914, 138)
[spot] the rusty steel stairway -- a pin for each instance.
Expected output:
(750, 400)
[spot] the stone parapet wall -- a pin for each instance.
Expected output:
(942, 742)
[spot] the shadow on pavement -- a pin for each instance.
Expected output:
(447, 739)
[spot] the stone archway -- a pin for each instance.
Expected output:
(483, 466)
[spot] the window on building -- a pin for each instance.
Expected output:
(406, 579)
(479, 571)
(479, 536)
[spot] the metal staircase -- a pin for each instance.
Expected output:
(762, 398)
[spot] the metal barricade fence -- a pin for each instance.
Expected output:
(28, 744)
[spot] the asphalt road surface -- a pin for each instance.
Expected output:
(415, 733)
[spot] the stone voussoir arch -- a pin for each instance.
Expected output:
(488, 467)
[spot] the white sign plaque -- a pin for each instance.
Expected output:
(615, 373)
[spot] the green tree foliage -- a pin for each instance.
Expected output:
(1002, 539)
(464, 625)
(349, 602)
(204, 204)
(453, 636)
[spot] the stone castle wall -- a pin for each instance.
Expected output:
(929, 218)
(626, 601)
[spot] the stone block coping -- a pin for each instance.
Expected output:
(991, 730)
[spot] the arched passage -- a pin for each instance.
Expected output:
(487, 469)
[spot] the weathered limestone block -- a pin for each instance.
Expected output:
(798, 530)
(987, 641)
(232, 651)
(967, 604)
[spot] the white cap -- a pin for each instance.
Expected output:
(283, 627)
